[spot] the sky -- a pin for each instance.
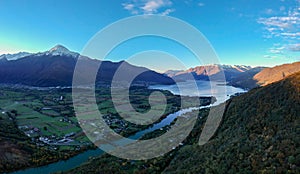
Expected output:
(242, 32)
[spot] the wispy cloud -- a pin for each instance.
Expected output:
(167, 12)
(285, 27)
(294, 47)
(128, 6)
(269, 11)
(291, 34)
(282, 23)
(270, 56)
(152, 6)
(162, 7)
(282, 8)
(201, 4)
(277, 50)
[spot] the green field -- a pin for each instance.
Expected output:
(43, 125)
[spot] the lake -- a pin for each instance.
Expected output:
(219, 90)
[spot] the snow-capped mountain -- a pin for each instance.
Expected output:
(235, 75)
(15, 56)
(215, 72)
(241, 68)
(172, 73)
(56, 67)
(58, 50)
(208, 70)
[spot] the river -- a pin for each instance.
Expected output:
(205, 88)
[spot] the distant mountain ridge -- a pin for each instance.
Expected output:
(271, 75)
(246, 77)
(56, 67)
(265, 76)
(14, 56)
(209, 72)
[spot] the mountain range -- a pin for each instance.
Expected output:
(271, 75)
(246, 77)
(56, 67)
(203, 72)
(232, 73)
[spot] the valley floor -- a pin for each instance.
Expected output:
(39, 126)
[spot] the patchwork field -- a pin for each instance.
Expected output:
(43, 126)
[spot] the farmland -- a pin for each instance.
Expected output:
(44, 128)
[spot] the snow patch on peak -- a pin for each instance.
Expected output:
(59, 50)
(241, 68)
(15, 56)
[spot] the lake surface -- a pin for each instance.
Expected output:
(219, 90)
(205, 88)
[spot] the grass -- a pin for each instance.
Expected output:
(55, 117)
(50, 113)
(29, 108)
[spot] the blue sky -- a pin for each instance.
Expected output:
(250, 32)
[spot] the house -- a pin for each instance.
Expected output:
(36, 129)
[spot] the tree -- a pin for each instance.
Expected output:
(15, 112)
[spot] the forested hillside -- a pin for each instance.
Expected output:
(259, 133)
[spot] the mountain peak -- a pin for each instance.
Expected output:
(59, 48)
